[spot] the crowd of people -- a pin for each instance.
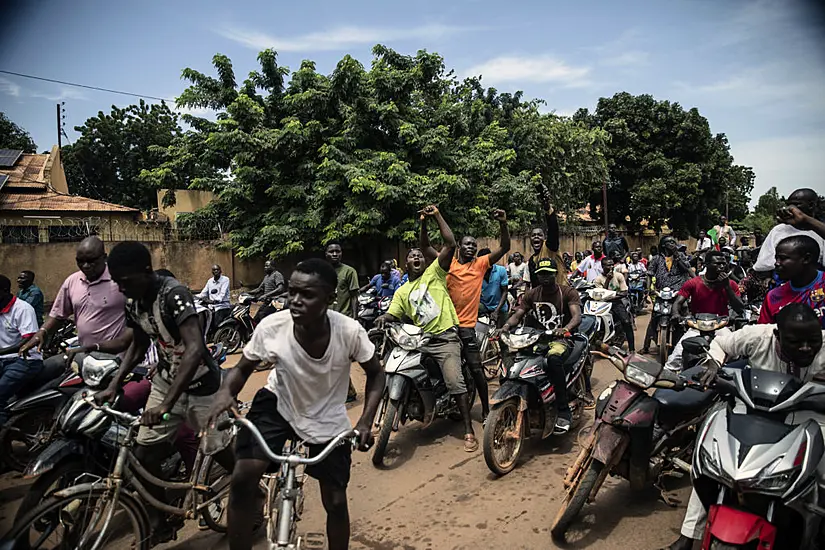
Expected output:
(122, 306)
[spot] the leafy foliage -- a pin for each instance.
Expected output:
(665, 165)
(113, 149)
(356, 153)
(13, 136)
(764, 215)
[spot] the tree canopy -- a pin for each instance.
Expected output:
(113, 149)
(665, 165)
(13, 136)
(356, 153)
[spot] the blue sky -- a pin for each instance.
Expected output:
(755, 69)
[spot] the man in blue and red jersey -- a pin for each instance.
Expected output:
(797, 260)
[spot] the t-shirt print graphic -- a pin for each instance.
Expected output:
(425, 307)
(546, 315)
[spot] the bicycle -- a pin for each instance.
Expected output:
(284, 490)
(80, 509)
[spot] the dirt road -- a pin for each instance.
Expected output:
(433, 495)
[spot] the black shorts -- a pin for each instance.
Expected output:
(469, 347)
(334, 470)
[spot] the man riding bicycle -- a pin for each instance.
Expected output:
(311, 348)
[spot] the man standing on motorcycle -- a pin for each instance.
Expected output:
(591, 267)
(313, 348)
(216, 294)
(271, 286)
(671, 269)
(162, 310)
(612, 280)
(425, 300)
(464, 282)
(792, 346)
(712, 293)
(796, 263)
(547, 303)
(18, 323)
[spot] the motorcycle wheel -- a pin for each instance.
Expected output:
(502, 448)
(662, 351)
(387, 421)
(20, 439)
(61, 476)
(230, 337)
(574, 501)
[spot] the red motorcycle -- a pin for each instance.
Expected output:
(636, 436)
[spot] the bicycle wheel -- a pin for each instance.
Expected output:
(79, 519)
(214, 476)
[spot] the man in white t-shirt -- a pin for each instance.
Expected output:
(312, 349)
(798, 217)
(18, 322)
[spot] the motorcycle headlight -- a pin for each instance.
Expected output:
(711, 465)
(92, 373)
(638, 376)
(769, 480)
(519, 341)
(665, 294)
(405, 340)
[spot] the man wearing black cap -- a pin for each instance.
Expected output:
(557, 308)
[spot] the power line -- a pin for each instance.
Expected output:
(87, 86)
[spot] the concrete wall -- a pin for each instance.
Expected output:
(115, 226)
(53, 172)
(190, 261)
(186, 200)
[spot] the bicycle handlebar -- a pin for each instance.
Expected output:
(292, 459)
(124, 416)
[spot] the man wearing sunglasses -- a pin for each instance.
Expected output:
(93, 299)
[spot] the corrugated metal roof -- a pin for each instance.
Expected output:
(54, 202)
(27, 173)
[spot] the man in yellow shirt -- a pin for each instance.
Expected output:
(424, 299)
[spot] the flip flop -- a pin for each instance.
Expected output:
(470, 443)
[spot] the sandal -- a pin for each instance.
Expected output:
(470, 443)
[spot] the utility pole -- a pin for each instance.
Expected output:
(59, 133)
(604, 205)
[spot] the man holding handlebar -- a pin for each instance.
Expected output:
(312, 349)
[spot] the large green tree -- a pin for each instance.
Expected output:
(665, 165)
(13, 136)
(106, 161)
(356, 153)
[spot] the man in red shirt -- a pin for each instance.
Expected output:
(796, 262)
(712, 292)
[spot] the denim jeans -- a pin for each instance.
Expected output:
(15, 372)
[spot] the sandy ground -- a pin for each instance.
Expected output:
(433, 495)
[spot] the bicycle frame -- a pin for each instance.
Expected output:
(127, 468)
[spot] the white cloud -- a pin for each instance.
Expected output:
(8, 87)
(786, 163)
(544, 68)
(338, 38)
(64, 93)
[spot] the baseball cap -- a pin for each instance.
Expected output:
(547, 264)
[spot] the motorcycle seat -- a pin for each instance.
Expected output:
(579, 345)
(50, 371)
(687, 400)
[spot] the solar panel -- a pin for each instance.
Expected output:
(8, 157)
(3, 179)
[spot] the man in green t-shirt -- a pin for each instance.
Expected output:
(425, 300)
(346, 293)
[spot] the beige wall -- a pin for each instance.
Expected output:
(118, 226)
(190, 261)
(186, 200)
(53, 172)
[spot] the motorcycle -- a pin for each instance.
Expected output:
(524, 404)
(415, 388)
(236, 330)
(662, 312)
(695, 347)
(756, 475)
(599, 306)
(639, 437)
(748, 317)
(31, 413)
(371, 306)
(636, 282)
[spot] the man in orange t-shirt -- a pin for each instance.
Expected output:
(464, 285)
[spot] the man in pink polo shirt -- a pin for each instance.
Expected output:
(93, 299)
